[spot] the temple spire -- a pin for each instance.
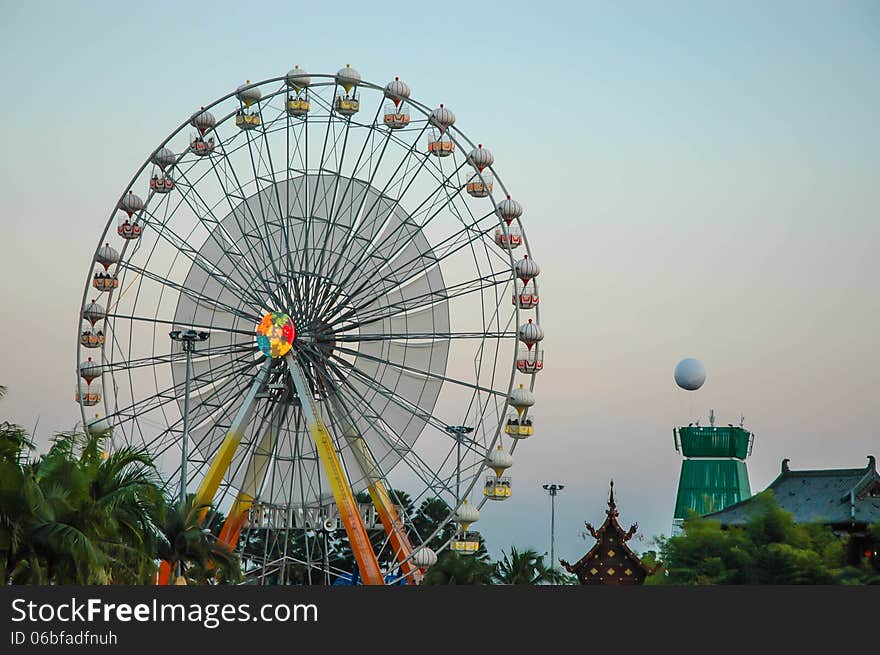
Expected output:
(612, 507)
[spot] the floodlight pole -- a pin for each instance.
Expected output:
(553, 489)
(188, 340)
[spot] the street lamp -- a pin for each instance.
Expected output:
(553, 489)
(188, 340)
(458, 432)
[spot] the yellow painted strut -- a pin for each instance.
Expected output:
(391, 521)
(208, 489)
(368, 565)
(253, 478)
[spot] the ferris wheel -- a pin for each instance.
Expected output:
(324, 294)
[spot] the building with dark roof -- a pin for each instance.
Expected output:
(847, 500)
(610, 561)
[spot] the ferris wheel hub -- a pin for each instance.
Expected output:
(275, 334)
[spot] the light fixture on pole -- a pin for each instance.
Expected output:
(553, 489)
(188, 340)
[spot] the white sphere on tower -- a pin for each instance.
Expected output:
(690, 374)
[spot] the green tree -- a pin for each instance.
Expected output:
(526, 567)
(769, 549)
(454, 569)
(189, 545)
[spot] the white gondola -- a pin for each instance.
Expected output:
(530, 360)
(397, 91)
(527, 269)
(481, 158)
(442, 118)
(509, 210)
(499, 460)
(395, 117)
(89, 370)
(348, 78)
(509, 238)
(245, 120)
(131, 204)
(481, 185)
(424, 557)
(93, 312)
(247, 94)
(104, 281)
(519, 428)
(298, 105)
(497, 488)
(440, 145)
(526, 296)
(106, 256)
(201, 146)
(163, 158)
(530, 333)
(88, 394)
(521, 399)
(203, 121)
(297, 79)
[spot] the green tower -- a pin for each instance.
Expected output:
(713, 473)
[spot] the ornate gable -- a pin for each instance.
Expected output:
(610, 561)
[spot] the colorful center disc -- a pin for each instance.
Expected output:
(275, 334)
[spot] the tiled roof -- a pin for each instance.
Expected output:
(835, 496)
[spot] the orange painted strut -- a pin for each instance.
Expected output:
(368, 565)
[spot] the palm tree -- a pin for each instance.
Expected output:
(526, 567)
(454, 569)
(76, 515)
(190, 547)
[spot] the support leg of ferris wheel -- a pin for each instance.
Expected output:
(207, 490)
(391, 520)
(367, 563)
(211, 482)
(253, 479)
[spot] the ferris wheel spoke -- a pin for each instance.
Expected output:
(228, 245)
(256, 235)
(401, 242)
(463, 239)
(199, 298)
(336, 207)
(398, 444)
(355, 224)
(207, 266)
(410, 369)
(136, 411)
(421, 301)
(383, 239)
(148, 319)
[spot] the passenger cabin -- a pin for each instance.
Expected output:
(247, 120)
(529, 361)
(103, 281)
(497, 488)
(201, 146)
(346, 105)
(88, 394)
(396, 117)
(509, 239)
(526, 297)
(128, 229)
(465, 542)
(480, 188)
(298, 106)
(161, 183)
(441, 147)
(90, 338)
(519, 428)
